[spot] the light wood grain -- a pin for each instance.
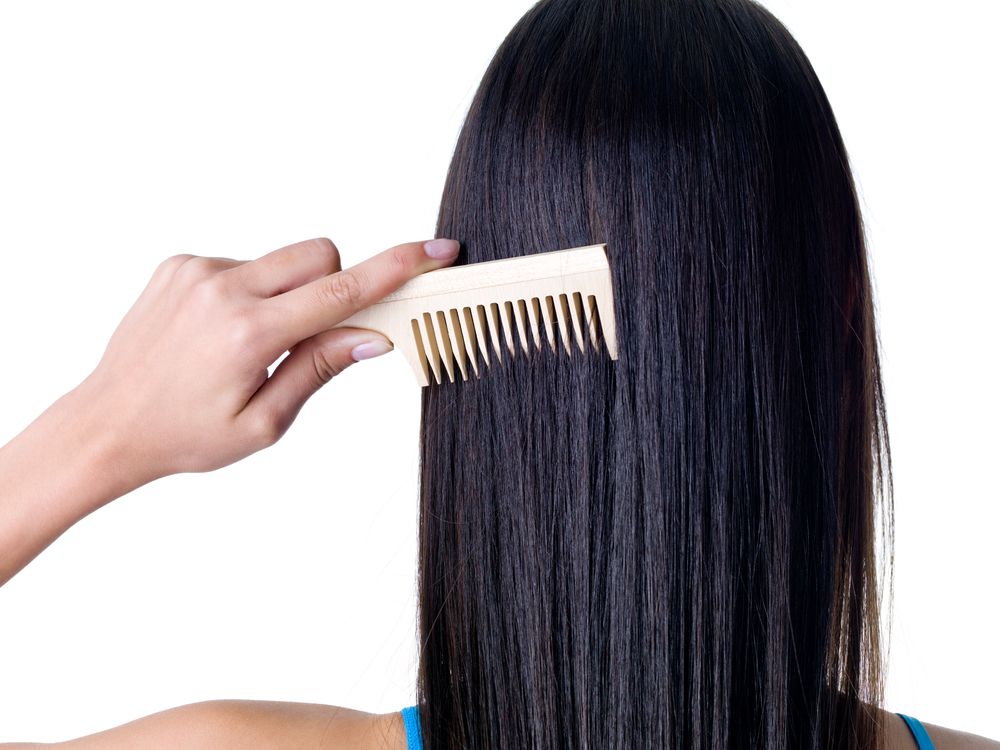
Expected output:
(458, 322)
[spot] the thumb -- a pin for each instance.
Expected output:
(310, 364)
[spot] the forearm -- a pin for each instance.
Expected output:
(63, 466)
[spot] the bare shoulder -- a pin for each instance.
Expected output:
(314, 725)
(275, 725)
(239, 724)
(898, 736)
(953, 739)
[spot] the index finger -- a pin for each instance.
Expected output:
(319, 305)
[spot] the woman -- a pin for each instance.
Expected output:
(674, 550)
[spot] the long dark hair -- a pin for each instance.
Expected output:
(678, 549)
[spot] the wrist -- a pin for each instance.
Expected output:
(107, 454)
(63, 466)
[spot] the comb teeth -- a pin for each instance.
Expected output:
(462, 343)
(459, 322)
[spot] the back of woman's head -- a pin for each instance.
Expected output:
(676, 549)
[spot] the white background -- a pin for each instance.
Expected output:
(130, 132)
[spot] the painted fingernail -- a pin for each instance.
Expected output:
(441, 249)
(370, 349)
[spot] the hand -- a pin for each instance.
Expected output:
(184, 378)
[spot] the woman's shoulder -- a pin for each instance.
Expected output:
(322, 726)
(953, 739)
(238, 724)
(898, 736)
(220, 725)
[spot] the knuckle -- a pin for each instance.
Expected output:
(325, 365)
(172, 263)
(402, 261)
(209, 292)
(196, 268)
(328, 251)
(266, 427)
(241, 325)
(342, 289)
(244, 330)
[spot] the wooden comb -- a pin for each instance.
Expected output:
(469, 318)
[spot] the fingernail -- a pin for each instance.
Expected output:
(370, 349)
(441, 249)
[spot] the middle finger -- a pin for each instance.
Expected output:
(289, 267)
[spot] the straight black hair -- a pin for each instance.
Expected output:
(678, 549)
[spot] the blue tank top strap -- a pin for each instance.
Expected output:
(917, 730)
(411, 722)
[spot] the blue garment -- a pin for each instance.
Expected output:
(411, 721)
(917, 730)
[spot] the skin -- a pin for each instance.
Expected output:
(183, 384)
(183, 387)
